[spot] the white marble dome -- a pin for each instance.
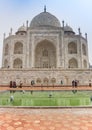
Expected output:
(67, 28)
(22, 29)
(45, 19)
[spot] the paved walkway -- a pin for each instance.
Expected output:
(45, 119)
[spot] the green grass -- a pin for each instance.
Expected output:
(58, 98)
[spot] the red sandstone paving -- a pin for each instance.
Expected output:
(46, 119)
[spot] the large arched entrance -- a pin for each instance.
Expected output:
(45, 55)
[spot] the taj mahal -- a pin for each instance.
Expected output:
(46, 52)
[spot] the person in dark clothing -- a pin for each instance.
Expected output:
(10, 84)
(14, 84)
(89, 83)
(61, 82)
(73, 83)
(32, 82)
(91, 98)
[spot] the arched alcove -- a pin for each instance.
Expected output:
(18, 48)
(72, 48)
(45, 80)
(45, 55)
(73, 63)
(38, 81)
(53, 80)
(17, 63)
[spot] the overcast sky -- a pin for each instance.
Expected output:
(76, 13)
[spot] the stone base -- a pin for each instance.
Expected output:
(45, 76)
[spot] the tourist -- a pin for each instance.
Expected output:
(50, 95)
(14, 84)
(73, 83)
(32, 82)
(61, 82)
(31, 91)
(89, 83)
(11, 98)
(20, 86)
(91, 98)
(10, 84)
(23, 91)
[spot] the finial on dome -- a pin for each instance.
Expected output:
(79, 31)
(44, 8)
(63, 23)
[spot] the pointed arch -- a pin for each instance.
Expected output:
(53, 80)
(72, 48)
(18, 48)
(73, 63)
(45, 80)
(38, 80)
(45, 55)
(17, 63)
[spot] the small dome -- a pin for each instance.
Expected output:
(45, 19)
(68, 29)
(22, 29)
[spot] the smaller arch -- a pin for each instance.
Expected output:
(6, 52)
(72, 48)
(17, 63)
(83, 49)
(73, 63)
(18, 48)
(53, 80)
(85, 64)
(45, 80)
(38, 80)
